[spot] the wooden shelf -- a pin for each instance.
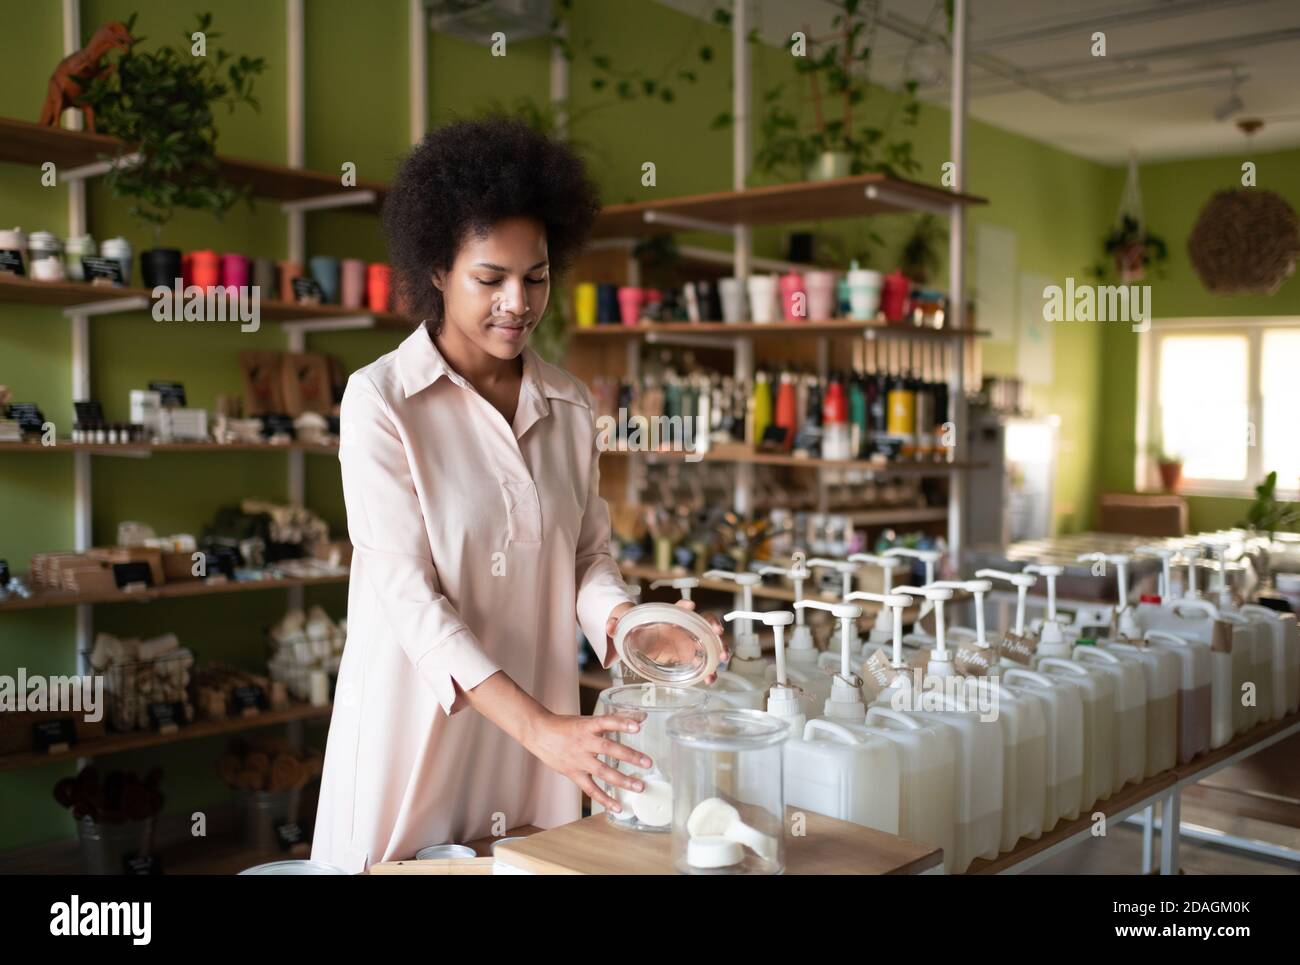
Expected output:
(22, 142)
(769, 329)
(148, 448)
(771, 459)
(783, 203)
(42, 599)
(68, 294)
(117, 743)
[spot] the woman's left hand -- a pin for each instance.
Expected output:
(674, 645)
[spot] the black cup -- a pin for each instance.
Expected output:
(160, 266)
(607, 312)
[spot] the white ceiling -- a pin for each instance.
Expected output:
(1169, 64)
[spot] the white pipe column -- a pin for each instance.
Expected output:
(296, 149)
(79, 335)
(957, 280)
(559, 86)
(743, 360)
(418, 54)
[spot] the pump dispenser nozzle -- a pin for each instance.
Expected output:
(797, 573)
(783, 700)
(683, 583)
(1022, 582)
(745, 640)
(1051, 638)
(882, 631)
(845, 701)
(1165, 554)
(940, 659)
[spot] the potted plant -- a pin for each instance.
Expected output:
(1170, 467)
(1132, 250)
(160, 104)
(829, 139)
(919, 258)
(1265, 517)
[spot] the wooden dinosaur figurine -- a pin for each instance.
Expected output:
(77, 70)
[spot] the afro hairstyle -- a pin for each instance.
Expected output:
(467, 176)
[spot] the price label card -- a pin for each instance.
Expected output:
(54, 736)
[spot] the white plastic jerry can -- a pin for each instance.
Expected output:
(735, 690)
(1063, 775)
(1271, 637)
(1130, 711)
(927, 775)
(1193, 678)
(1260, 673)
(1285, 632)
(843, 774)
(1024, 767)
(1098, 692)
(1161, 670)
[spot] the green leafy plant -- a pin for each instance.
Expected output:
(919, 258)
(160, 103)
(1131, 251)
(836, 73)
(1268, 514)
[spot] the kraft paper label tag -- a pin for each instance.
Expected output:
(1221, 637)
(1019, 647)
(877, 674)
(975, 661)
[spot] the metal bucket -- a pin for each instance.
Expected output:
(259, 813)
(104, 847)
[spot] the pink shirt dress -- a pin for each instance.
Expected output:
(477, 546)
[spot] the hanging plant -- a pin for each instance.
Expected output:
(1130, 248)
(1244, 242)
(160, 104)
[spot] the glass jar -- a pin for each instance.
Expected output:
(652, 705)
(728, 794)
(666, 644)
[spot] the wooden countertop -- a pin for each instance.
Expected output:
(829, 846)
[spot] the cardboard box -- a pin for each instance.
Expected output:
(133, 554)
(178, 567)
(307, 386)
(263, 382)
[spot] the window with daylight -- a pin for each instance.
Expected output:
(1223, 396)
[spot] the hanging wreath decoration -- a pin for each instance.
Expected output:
(1245, 242)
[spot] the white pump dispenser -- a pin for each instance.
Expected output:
(845, 701)
(846, 569)
(1165, 554)
(783, 700)
(802, 650)
(1051, 636)
(683, 583)
(746, 656)
(940, 663)
(882, 632)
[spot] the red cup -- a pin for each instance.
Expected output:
(187, 270)
(791, 284)
(378, 278)
(289, 270)
(205, 269)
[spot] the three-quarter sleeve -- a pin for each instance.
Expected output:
(391, 550)
(600, 585)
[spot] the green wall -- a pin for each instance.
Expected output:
(1173, 194)
(356, 110)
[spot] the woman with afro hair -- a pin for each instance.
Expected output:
(480, 541)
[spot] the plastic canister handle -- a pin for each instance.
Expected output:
(1064, 664)
(1205, 606)
(1168, 637)
(890, 714)
(742, 683)
(830, 727)
(1086, 652)
(1020, 673)
(1254, 609)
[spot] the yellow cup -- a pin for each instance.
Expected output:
(584, 304)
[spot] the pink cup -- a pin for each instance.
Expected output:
(821, 295)
(352, 290)
(234, 270)
(794, 297)
(629, 304)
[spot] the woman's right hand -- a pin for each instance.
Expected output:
(569, 745)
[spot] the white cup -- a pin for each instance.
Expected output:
(864, 294)
(762, 297)
(49, 268)
(120, 249)
(14, 239)
(732, 293)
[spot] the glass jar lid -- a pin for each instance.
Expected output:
(727, 730)
(667, 644)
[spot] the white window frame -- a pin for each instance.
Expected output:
(1145, 473)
